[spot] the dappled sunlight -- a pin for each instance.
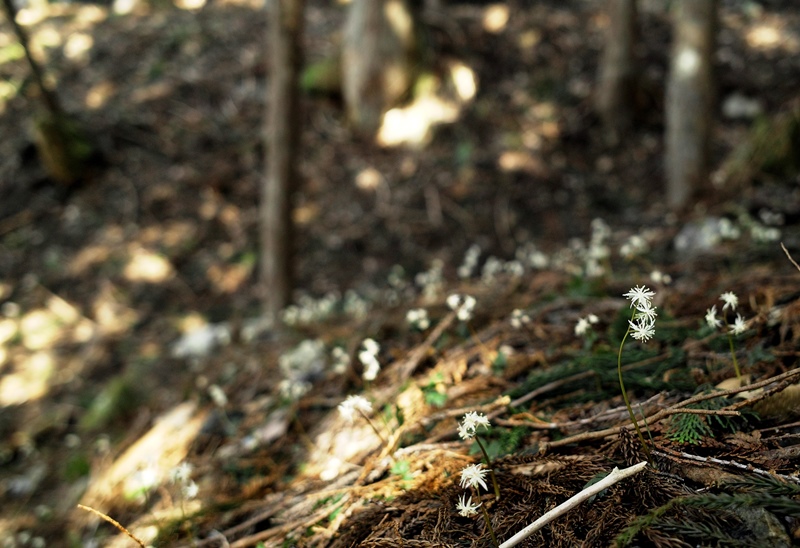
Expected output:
(495, 18)
(147, 266)
(770, 36)
(78, 46)
(28, 381)
(111, 312)
(338, 445)
(146, 464)
(436, 103)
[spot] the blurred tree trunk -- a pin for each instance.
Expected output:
(282, 139)
(617, 85)
(377, 60)
(690, 98)
(61, 144)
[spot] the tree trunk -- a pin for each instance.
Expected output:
(690, 99)
(282, 139)
(377, 60)
(617, 86)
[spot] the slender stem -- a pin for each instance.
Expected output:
(372, 424)
(491, 470)
(487, 520)
(625, 395)
(733, 355)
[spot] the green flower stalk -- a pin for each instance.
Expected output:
(641, 327)
(739, 325)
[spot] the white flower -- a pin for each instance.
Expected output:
(582, 327)
(711, 318)
(190, 490)
(371, 369)
(739, 325)
(642, 331)
(638, 295)
(181, 473)
(592, 319)
(519, 318)
(474, 475)
(418, 318)
(453, 301)
(470, 423)
(646, 312)
(730, 299)
(371, 346)
(466, 507)
(352, 404)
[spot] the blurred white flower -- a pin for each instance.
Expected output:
(466, 507)
(352, 404)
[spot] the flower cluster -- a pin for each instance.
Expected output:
(474, 475)
(369, 359)
(463, 305)
(417, 318)
(738, 327)
(353, 404)
(470, 261)
(731, 301)
(472, 420)
(643, 323)
(584, 325)
(519, 318)
(181, 475)
(300, 366)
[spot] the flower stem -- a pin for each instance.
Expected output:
(488, 521)
(491, 470)
(372, 424)
(625, 396)
(733, 355)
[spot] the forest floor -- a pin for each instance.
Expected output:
(129, 350)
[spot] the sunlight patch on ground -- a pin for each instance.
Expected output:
(190, 5)
(436, 103)
(339, 444)
(98, 94)
(495, 18)
(772, 36)
(29, 381)
(148, 462)
(78, 46)
(146, 266)
(111, 313)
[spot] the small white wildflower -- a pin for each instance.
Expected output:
(418, 318)
(453, 301)
(519, 318)
(711, 318)
(638, 295)
(371, 370)
(190, 490)
(730, 299)
(592, 319)
(646, 312)
(217, 395)
(739, 325)
(582, 327)
(474, 475)
(642, 331)
(352, 404)
(181, 473)
(466, 507)
(371, 346)
(475, 419)
(340, 360)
